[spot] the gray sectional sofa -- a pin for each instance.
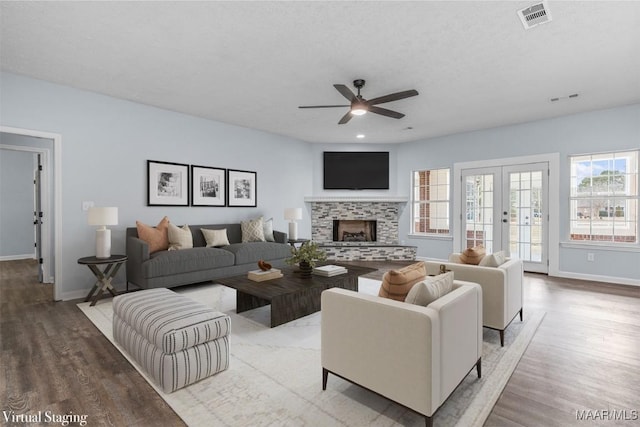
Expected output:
(166, 269)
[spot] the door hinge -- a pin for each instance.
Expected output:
(41, 261)
(40, 168)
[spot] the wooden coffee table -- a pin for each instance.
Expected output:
(290, 296)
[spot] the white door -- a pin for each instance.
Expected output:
(505, 209)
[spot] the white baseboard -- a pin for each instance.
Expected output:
(597, 278)
(16, 257)
(572, 275)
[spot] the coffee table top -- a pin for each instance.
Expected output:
(290, 282)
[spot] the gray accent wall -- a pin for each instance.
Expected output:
(16, 206)
(106, 143)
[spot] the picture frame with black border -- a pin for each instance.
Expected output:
(167, 183)
(208, 186)
(242, 188)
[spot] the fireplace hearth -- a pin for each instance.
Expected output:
(354, 230)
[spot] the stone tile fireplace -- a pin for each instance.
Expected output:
(359, 229)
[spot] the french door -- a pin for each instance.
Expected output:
(505, 208)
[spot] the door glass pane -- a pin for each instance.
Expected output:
(525, 222)
(479, 213)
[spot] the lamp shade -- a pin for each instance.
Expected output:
(103, 216)
(293, 214)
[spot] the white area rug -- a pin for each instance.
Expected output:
(275, 376)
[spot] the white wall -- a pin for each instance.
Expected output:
(105, 145)
(16, 209)
(593, 132)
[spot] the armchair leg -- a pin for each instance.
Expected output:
(325, 375)
(479, 367)
(521, 314)
(501, 338)
(428, 421)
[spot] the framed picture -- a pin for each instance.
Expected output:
(167, 184)
(242, 189)
(208, 186)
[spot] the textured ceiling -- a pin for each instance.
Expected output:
(253, 63)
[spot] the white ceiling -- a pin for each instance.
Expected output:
(253, 63)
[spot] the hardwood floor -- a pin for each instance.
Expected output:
(585, 356)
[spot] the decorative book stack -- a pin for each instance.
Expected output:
(260, 276)
(329, 270)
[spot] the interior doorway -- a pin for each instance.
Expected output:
(45, 147)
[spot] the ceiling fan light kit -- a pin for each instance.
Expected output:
(360, 106)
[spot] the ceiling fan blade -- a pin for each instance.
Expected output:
(393, 97)
(385, 112)
(346, 92)
(345, 118)
(323, 106)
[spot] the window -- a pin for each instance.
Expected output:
(604, 197)
(430, 202)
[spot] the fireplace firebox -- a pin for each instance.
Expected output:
(347, 230)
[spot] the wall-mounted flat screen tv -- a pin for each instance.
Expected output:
(356, 170)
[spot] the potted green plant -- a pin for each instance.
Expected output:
(307, 256)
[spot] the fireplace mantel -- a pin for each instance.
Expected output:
(381, 199)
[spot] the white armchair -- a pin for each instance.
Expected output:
(413, 355)
(501, 289)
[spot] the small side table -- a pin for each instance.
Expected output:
(293, 242)
(113, 264)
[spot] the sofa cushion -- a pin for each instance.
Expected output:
(430, 289)
(246, 253)
(215, 237)
(252, 230)
(495, 259)
(268, 230)
(179, 237)
(397, 283)
(156, 237)
(473, 255)
(167, 263)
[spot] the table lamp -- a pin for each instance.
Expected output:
(103, 217)
(293, 214)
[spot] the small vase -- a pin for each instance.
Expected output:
(305, 269)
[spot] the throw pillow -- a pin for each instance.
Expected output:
(495, 259)
(430, 289)
(268, 230)
(156, 237)
(179, 237)
(215, 238)
(396, 284)
(252, 230)
(472, 255)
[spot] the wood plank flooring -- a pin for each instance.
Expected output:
(585, 356)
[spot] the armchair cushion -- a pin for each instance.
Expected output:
(430, 289)
(396, 284)
(473, 255)
(495, 259)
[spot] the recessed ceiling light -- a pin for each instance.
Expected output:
(360, 136)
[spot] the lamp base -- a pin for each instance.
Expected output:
(103, 243)
(293, 230)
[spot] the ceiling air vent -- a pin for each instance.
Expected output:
(534, 15)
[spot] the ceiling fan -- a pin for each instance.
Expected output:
(360, 106)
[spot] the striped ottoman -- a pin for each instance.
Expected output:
(177, 341)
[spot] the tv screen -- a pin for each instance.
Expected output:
(356, 170)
